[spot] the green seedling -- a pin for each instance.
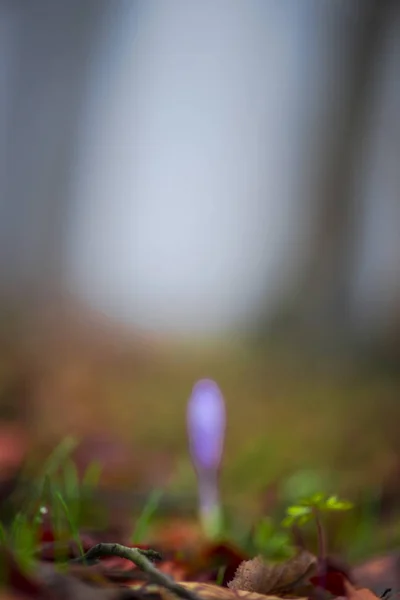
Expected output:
(312, 508)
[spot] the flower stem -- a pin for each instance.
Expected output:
(210, 511)
(321, 545)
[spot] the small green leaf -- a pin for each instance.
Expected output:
(263, 532)
(305, 519)
(298, 511)
(271, 542)
(300, 517)
(288, 521)
(316, 500)
(333, 503)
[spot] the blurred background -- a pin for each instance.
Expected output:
(203, 189)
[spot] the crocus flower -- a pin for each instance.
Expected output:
(206, 428)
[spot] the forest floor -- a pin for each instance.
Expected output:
(291, 432)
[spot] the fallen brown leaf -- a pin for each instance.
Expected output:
(208, 591)
(379, 573)
(358, 594)
(209, 559)
(63, 586)
(257, 575)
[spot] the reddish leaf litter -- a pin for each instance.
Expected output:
(204, 570)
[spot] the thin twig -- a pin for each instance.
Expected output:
(132, 554)
(142, 559)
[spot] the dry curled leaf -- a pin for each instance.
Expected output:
(206, 562)
(207, 591)
(257, 575)
(379, 573)
(359, 594)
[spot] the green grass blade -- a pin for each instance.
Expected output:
(59, 455)
(71, 523)
(142, 524)
(3, 535)
(220, 575)
(91, 476)
(71, 490)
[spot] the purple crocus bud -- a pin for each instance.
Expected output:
(206, 428)
(206, 424)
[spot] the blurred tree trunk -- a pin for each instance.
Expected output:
(49, 55)
(320, 303)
